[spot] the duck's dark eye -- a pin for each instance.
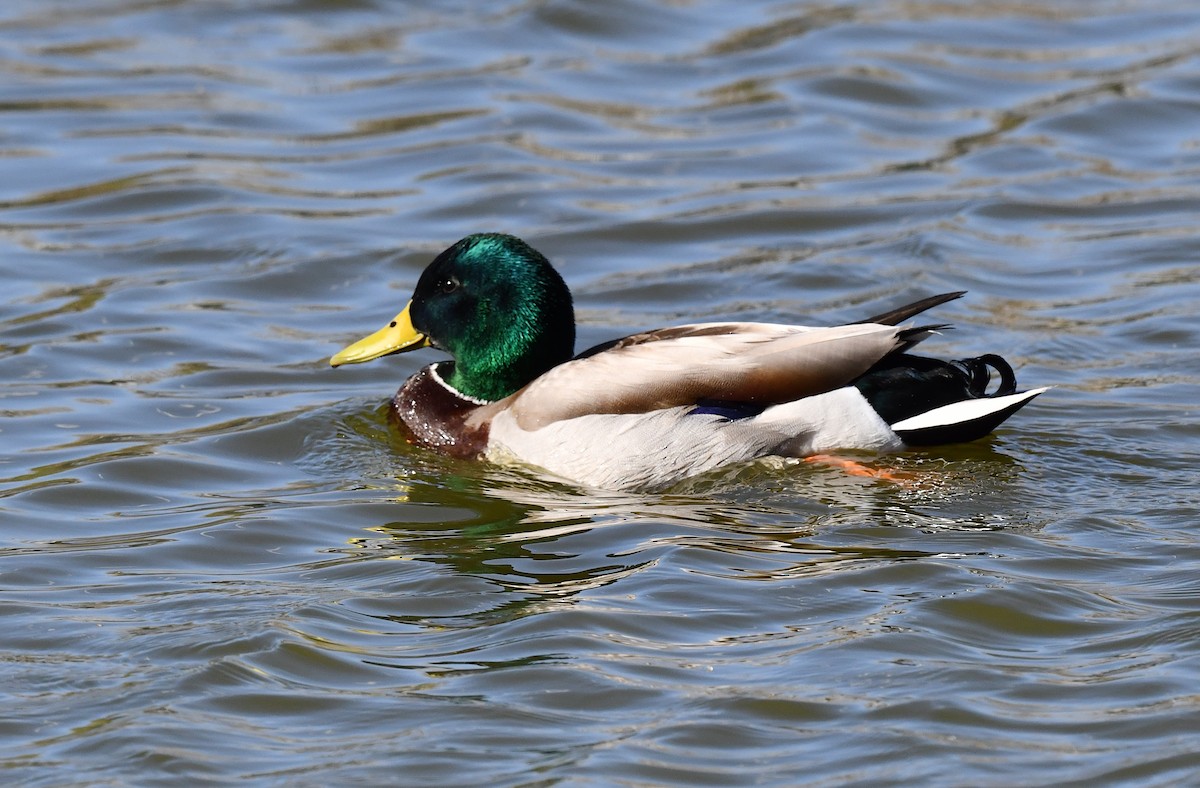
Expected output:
(448, 285)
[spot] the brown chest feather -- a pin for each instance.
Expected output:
(434, 416)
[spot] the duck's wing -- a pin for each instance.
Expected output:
(746, 330)
(894, 317)
(728, 362)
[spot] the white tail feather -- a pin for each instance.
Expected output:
(965, 411)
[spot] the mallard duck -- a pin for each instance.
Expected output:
(650, 409)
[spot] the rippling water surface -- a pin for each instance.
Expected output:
(218, 565)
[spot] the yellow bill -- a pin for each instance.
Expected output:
(396, 337)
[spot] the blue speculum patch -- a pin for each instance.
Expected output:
(727, 410)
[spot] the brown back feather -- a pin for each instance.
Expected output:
(731, 362)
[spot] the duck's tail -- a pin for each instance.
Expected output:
(927, 401)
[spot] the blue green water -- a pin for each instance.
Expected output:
(217, 565)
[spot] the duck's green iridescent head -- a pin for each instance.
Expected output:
(495, 304)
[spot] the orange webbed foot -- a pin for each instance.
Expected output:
(855, 468)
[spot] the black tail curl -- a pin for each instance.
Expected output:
(978, 370)
(902, 385)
